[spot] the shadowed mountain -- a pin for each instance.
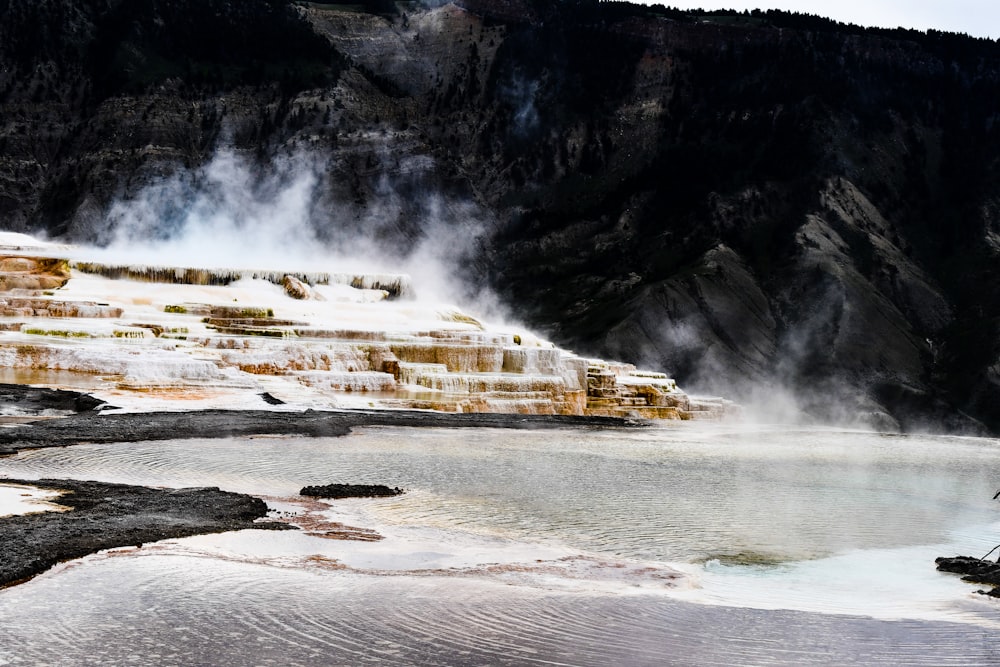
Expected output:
(766, 205)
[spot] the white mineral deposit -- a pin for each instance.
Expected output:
(176, 337)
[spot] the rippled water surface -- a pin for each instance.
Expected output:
(517, 547)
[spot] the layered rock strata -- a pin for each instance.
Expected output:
(181, 334)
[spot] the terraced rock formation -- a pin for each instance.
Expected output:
(763, 205)
(185, 334)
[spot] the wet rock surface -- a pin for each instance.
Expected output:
(351, 491)
(975, 570)
(103, 428)
(35, 400)
(107, 516)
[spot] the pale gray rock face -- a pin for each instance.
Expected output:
(755, 208)
(693, 319)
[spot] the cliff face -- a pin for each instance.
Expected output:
(767, 206)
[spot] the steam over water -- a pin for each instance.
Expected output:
(682, 545)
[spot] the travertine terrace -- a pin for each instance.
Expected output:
(177, 337)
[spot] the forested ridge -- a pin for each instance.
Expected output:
(762, 204)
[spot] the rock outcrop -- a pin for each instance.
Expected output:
(108, 516)
(758, 204)
(975, 570)
(133, 338)
(350, 491)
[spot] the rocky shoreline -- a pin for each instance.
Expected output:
(974, 570)
(336, 491)
(133, 427)
(106, 516)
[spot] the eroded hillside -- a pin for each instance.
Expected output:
(765, 206)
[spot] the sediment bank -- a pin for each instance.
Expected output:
(104, 428)
(108, 516)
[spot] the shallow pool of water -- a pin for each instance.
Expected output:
(793, 546)
(19, 499)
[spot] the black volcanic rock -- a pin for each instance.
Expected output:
(26, 400)
(758, 204)
(975, 570)
(106, 516)
(350, 491)
(133, 427)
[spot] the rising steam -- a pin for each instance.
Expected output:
(221, 215)
(236, 214)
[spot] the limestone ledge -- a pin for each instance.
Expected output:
(159, 332)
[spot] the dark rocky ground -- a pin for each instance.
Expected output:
(975, 570)
(91, 427)
(350, 491)
(28, 400)
(106, 516)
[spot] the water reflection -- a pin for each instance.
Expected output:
(670, 494)
(842, 523)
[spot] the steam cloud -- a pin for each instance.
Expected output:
(222, 215)
(521, 94)
(233, 213)
(772, 389)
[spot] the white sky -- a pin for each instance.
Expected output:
(979, 18)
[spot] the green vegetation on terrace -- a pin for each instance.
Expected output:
(61, 333)
(241, 312)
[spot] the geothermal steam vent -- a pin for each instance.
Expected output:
(175, 336)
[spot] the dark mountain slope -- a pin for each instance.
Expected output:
(766, 205)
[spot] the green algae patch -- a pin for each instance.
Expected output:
(241, 312)
(61, 333)
(129, 333)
